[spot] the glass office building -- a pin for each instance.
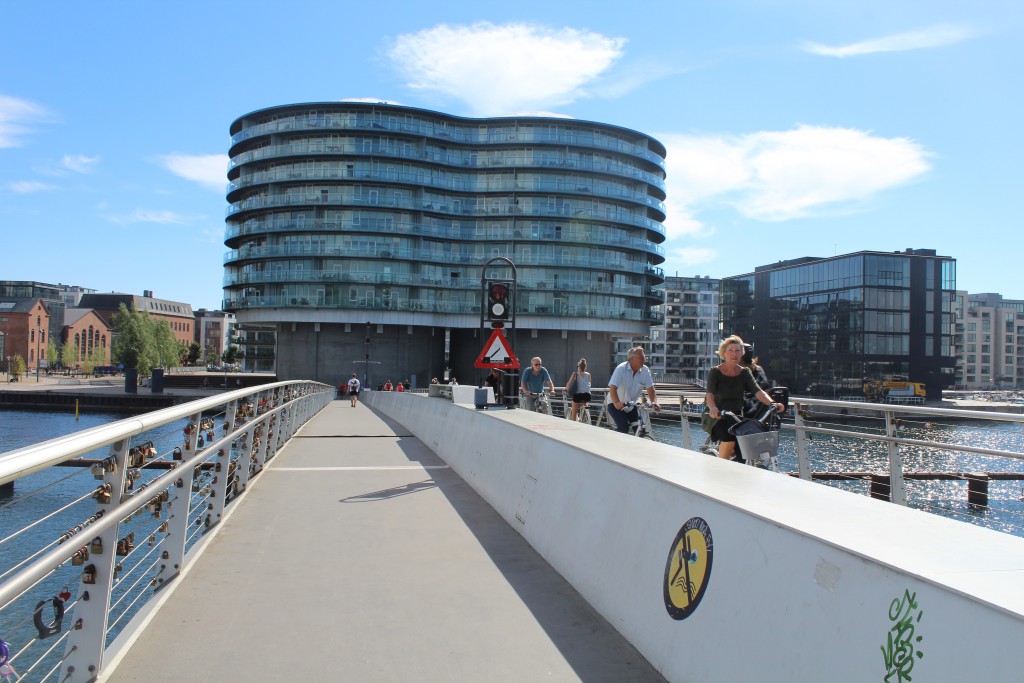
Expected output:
(824, 326)
(359, 228)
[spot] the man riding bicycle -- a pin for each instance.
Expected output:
(533, 382)
(627, 381)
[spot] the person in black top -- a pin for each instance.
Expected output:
(726, 385)
(493, 380)
(749, 360)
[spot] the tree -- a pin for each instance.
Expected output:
(17, 365)
(194, 352)
(211, 355)
(230, 355)
(133, 340)
(68, 355)
(98, 356)
(166, 351)
(51, 355)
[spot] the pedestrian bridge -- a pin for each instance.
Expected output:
(411, 538)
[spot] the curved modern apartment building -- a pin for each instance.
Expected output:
(360, 228)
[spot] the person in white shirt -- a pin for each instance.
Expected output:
(353, 389)
(626, 383)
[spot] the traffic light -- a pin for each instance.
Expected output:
(499, 300)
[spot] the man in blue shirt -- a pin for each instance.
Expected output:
(625, 385)
(533, 383)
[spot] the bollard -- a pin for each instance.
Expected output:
(977, 489)
(880, 486)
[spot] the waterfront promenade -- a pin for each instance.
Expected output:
(358, 555)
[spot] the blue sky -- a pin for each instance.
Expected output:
(794, 128)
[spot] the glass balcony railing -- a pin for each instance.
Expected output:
(568, 209)
(462, 162)
(436, 257)
(471, 184)
(379, 303)
(471, 233)
(525, 285)
(531, 132)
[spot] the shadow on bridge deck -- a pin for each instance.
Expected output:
(359, 556)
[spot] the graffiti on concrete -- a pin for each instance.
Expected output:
(903, 642)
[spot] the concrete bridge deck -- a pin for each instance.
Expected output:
(359, 556)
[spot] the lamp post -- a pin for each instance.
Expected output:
(39, 334)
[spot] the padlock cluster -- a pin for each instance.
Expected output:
(102, 494)
(156, 503)
(125, 545)
(104, 467)
(138, 455)
(75, 530)
(80, 556)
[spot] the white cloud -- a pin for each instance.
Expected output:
(29, 186)
(79, 163)
(932, 36)
(16, 118)
(691, 256)
(149, 216)
(783, 175)
(496, 69)
(209, 170)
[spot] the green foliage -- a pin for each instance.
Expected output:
(68, 355)
(51, 354)
(211, 355)
(166, 350)
(98, 356)
(133, 340)
(194, 352)
(230, 354)
(143, 342)
(17, 365)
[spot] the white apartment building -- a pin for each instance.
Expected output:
(992, 353)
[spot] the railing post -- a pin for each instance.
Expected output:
(172, 546)
(684, 423)
(803, 463)
(243, 463)
(85, 646)
(898, 492)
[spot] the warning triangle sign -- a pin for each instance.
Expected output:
(497, 354)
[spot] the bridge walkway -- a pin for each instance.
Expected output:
(359, 556)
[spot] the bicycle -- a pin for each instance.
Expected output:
(582, 415)
(757, 438)
(541, 402)
(640, 426)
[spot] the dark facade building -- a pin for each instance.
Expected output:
(26, 293)
(824, 326)
(359, 228)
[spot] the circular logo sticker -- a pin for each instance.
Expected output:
(688, 568)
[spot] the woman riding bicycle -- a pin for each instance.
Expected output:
(581, 393)
(726, 386)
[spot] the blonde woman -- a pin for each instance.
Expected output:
(726, 385)
(581, 393)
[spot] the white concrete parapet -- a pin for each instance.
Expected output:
(458, 393)
(788, 580)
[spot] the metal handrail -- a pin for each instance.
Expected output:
(25, 461)
(297, 402)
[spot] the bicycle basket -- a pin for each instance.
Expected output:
(762, 446)
(746, 428)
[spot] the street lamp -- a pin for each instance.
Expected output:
(39, 334)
